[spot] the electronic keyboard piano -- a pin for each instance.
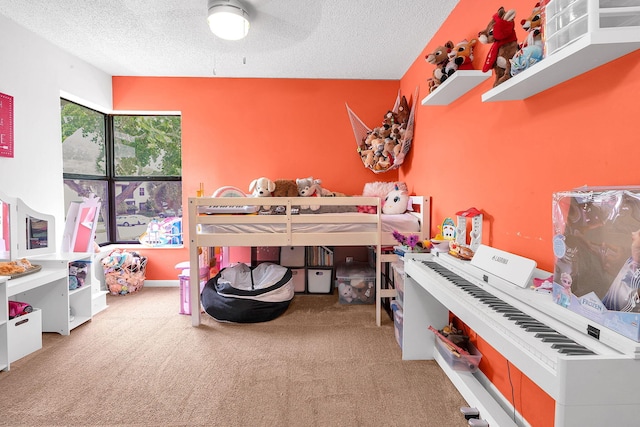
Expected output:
(591, 372)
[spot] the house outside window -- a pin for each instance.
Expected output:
(133, 163)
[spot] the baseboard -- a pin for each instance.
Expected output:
(162, 283)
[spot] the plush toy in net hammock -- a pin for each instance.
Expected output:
(384, 148)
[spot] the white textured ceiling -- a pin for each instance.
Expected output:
(321, 39)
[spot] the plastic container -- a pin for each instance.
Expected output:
(398, 318)
(398, 280)
(356, 282)
(465, 363)
(185, 292)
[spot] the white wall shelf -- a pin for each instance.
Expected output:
(611, 32)
(460, 82)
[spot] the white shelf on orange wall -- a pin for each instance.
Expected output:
(611, 32)
(460, 82)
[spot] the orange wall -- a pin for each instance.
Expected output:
(236, 130)
(504, 158)
(508, 158)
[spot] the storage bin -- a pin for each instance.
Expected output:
(298, 277)
(124, 272)
(24, 334)
(465, 363)
(319, 280)
(292, 256)
(356, 282)
(185, 292)
(262, 254)
(398, 280)
(398, 318)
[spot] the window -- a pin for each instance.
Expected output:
(132, 162)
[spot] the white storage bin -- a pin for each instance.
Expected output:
(319, 280)
(292, 256)
(298, 278)
(25, 335)
(398, 280)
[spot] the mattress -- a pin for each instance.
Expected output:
(406, 223)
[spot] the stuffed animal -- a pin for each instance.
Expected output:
(439, 57)
(402, 115)
(285, 188)
(262, 187)
(363, 291)
(346, 292)
(308, 187)
(462, 55)
(395, 202)
(379, 189)
(532, 49)
(501, 34)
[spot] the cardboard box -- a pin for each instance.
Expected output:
(596, 244)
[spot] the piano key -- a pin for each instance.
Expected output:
(557, 339)
(576, 352)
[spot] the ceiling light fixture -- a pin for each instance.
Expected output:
(228, 19)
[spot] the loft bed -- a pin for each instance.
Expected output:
(335, 222)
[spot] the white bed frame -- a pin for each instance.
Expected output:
(199, 237)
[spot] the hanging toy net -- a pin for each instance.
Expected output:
(384, 148)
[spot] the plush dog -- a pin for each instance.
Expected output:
(309, 187)
(262, 187)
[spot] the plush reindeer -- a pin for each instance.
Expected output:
(501, 34)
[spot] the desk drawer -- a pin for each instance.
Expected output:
(25, 335)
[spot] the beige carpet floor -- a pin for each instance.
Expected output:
(140, 363)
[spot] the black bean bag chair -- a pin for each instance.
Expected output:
(245, 294)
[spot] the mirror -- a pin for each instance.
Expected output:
(37, 236)
(37, 233)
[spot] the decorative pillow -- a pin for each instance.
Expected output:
(380, 189)
(229, 191)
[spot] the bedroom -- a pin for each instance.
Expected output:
(505, 158)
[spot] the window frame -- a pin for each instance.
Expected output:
(110, 177)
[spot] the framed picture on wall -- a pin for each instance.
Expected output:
(6, 125)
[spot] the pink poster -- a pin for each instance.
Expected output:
(6, 125)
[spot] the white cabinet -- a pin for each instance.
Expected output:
(57, 309)
(4, 325)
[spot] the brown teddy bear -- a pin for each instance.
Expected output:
(285, 188)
